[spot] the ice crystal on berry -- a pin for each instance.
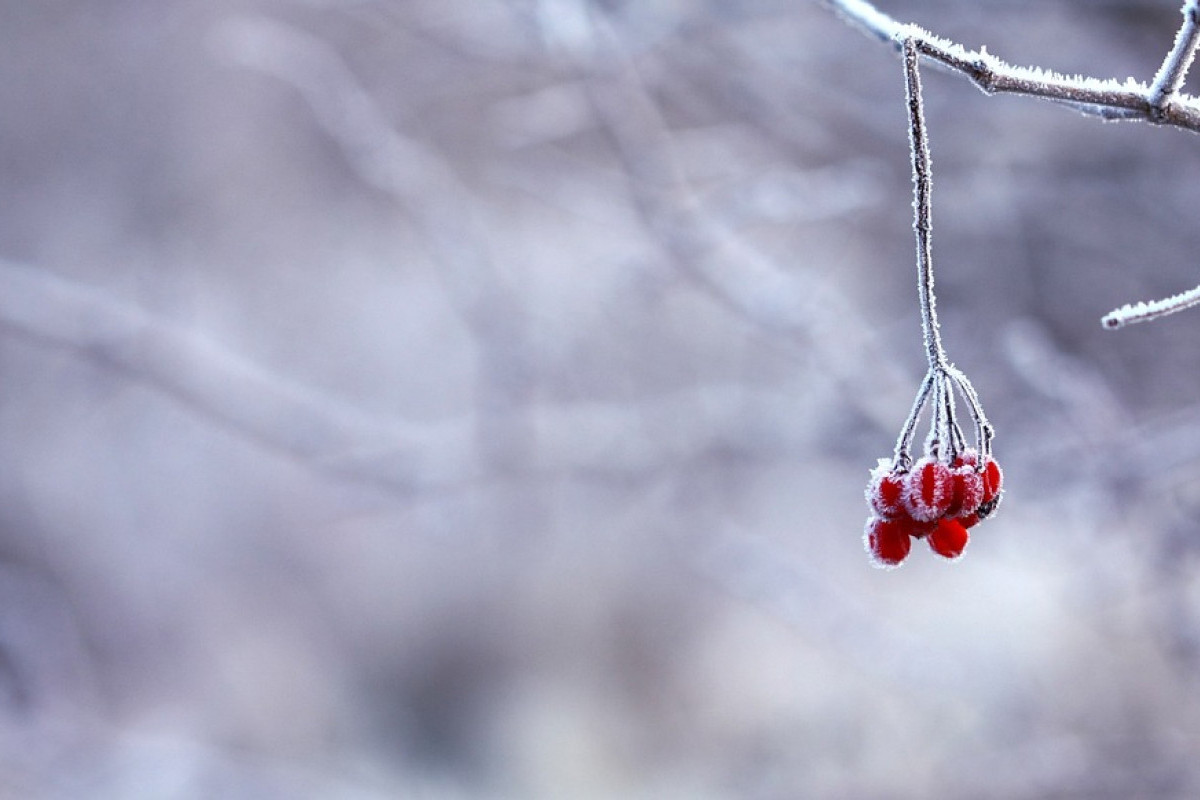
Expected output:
(885, 492)
(966, 488)
(928, 490)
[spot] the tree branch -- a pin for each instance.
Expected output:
(1159, 103)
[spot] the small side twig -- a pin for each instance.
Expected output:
(1143, 312)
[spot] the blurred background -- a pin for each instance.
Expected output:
(474, 399)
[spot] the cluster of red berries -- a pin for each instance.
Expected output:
(934, 500)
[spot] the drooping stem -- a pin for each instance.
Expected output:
(922, 207)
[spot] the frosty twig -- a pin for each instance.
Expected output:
(1144, 312)
(1174, 68)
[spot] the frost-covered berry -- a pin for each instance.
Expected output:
(966, 489)
(887, 540)
(949, 538)
(928, 490)
(885, 492)
(993, 482)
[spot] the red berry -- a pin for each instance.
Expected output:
(949, 538)
(966, 490)
(993, 479)
(885, 492)
(887, 541)
(927, 493)
(969, 521)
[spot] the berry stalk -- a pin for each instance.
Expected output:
(953, 486)
(922, 206)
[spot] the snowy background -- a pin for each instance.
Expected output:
(474, 398)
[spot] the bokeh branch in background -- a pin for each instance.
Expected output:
(1159, 102)
(695, 242)
(330, 436)
(228, 389)
(794, 302)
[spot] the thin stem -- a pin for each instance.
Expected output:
(922, 207)
(937, 422)
(902, 460)
(983, 429)
(954, 434)
(1175, 66)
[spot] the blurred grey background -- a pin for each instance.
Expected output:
(474, 399)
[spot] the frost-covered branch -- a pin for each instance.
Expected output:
(1159, 102)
